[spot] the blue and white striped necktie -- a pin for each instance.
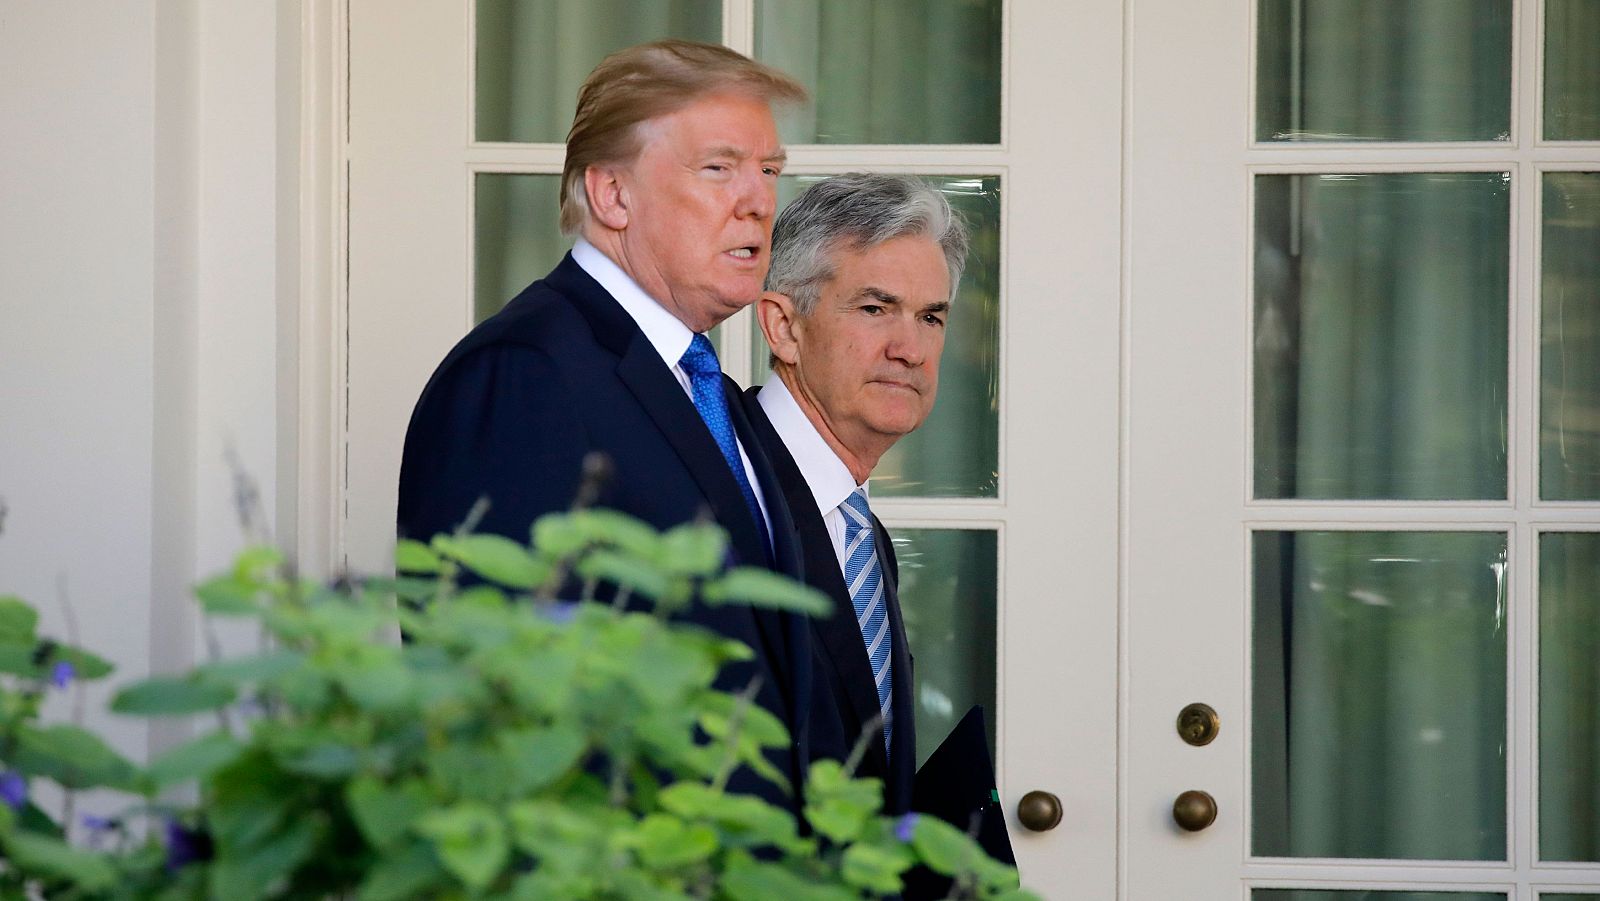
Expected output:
(863, 574)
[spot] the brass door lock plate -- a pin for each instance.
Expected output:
(1198, 724)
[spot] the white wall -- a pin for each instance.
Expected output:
(147, 165)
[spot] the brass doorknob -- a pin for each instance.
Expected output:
(1194, 810)
(1039, 811)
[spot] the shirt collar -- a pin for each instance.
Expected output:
(666, 332)
(825, 474)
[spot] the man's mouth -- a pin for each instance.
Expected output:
(747, 252)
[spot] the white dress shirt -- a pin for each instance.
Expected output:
(666, 333)
(825, 474)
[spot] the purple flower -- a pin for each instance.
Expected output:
(13, 790)
(62, 673)
(906, 826)
(559, 612)
(98, 828)
(185, 846)
(98, 824)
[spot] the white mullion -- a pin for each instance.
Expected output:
(926, 159)
(1521, 714)
(1526, 617)
(516, 157)
(739, 25)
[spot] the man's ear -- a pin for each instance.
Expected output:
(780, 323)
(608, 201)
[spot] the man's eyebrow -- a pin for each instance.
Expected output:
(942, 306)
(728, 150)
(878, 294)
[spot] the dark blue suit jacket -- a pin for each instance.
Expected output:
(561, 371)
(846, 696)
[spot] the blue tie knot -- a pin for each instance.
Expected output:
(700, 358)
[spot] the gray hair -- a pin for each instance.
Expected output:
(858, 211)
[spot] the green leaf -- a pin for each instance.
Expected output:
(402, 876)
(470, 839)
(324, 760)
(252, 669)
(85, 665)
(768, 590)
(629, 533)
(637, 575)
(257, 562)
(540, 756)
(171, 696)
(694, 549)
(415, 557)
(17, 621)
(52, 857)
(744, 816)
(250, 799)
(496, 558)
(875, 868)
(666, 842)
(196, 759)
(753, 881)
(837, 805)
(254, 870)
(228, 596)
(558, 535)
(944, 848)
(377, 683)
(74, 757)
(384, 813)
(756, 723)
(18, 660)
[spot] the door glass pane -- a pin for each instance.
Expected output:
(956, 453)
(1383, 70)
(532, 55)
(516, 237)
(1569, 696)
(947, 596)
(1379, 695)
(1380, 336)
(1572, 71)
(1307, 894)
(887, 71)
(1569, 393)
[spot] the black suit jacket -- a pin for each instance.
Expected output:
(564, 370)
(846, 696)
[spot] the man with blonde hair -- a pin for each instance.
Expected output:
(670, 184)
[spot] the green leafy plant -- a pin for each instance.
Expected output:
(514, 746)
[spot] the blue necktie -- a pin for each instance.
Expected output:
(705, 378)
(863, 574)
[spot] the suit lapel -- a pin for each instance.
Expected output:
(838, 634)
(903, 695)
(662, 396)
(785, 630)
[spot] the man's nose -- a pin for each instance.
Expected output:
(905, 345)
(758, 195)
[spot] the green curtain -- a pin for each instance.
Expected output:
(888, 71)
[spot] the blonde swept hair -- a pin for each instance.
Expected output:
(633, 86)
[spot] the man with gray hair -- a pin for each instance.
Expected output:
(864, 268)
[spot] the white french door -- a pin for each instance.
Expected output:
(1361, 518)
